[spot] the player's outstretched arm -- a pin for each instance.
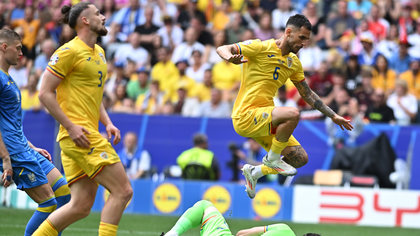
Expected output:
(230, 53)
(109, 126)
(7, 165)
(255, 231)
(47, 97)
(313, 99)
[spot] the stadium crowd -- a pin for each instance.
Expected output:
(363, 58)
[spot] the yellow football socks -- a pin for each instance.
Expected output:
(46, 229)
(277, 147)
(106, 229)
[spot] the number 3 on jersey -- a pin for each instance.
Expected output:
(276, 73)
(100, 78)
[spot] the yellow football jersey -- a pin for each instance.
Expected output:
(83, 71)
(265, 72)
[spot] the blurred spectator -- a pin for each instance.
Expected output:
(147, 31)
(18, 11)
(378, 111)
(337, 25)
(359, 8)
(389, 45)
(383, 77)
(234, 31)
(151, 102)
(414, 40)
(204, 36)
(227, 77)
(412, 76)
(133, 51)
(122, 103)
(53, 26)
(348, 108)
(179, 103)
(165, 71)
(253, 154)
(205, 87)
(405, 22)
(19, 72)
(30, 27)
(268, 5)
(139, 86)
(281, 14)
(187, 11)
(216, 107)
(126, 20)
(281, 99)
(391, 10)
(47, 48)
(219, 40)
(184, 80)
(137, 163)
(352, 71)
(321, 81)
(364, 90)
(403, 103)
(184, 50)
(29, 95)
(377, 25)
(199, 162)
(318, 24)
(222, 16)
(400, 60)
(109, 10)
(310, 57)
(171, 34)
(369, 53)
(265, 31)
(252, 15)
(66, 35)
(3, 14)
(114, 79)
(196, 70)
(339, 83)
(184, 105)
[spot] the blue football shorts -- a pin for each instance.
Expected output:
(30, 169)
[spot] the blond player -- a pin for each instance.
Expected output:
(267, 65)
(77, 72)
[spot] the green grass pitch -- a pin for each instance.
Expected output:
(13, 221)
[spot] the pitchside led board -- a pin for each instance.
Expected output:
(174, 197)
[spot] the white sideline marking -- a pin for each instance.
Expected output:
(120, 231)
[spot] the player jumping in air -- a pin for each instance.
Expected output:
(267, 65)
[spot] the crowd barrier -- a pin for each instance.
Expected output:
(358, 206)
(165, 137)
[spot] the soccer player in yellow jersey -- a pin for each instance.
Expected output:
(267, 65)
(77, 71)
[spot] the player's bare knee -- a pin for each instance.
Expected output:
(294, 114)
(81, 209)
(127, 193)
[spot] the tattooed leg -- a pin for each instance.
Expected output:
(295, 156)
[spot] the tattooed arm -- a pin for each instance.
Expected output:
(313, 99)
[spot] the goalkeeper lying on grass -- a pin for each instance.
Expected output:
(212, 223)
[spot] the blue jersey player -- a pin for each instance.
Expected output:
(29, 167)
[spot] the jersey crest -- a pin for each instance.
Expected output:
(54, 59)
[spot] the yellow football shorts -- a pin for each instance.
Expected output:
(256, 123)
(80, 162)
